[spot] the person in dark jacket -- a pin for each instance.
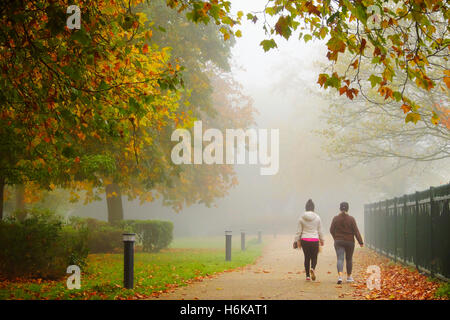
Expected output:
(344, 230)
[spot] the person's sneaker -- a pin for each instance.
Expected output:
(350, 279)
(308, 279)
(313, 275)
(339, 280)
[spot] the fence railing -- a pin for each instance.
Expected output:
(413, 229)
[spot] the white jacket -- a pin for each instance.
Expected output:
(309, 226)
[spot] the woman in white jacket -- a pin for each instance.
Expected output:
(309, 235)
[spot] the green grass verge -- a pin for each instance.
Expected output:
(443, 291)
(187, 259)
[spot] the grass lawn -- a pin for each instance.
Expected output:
(187, 260)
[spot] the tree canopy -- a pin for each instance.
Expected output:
(404, 41)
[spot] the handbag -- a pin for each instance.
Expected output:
(295, 245)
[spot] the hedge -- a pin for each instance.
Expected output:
(40, 246)
(102, 236)
(154, 235)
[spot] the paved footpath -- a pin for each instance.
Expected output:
(278, 274)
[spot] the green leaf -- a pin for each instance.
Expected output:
(360, 13)
(412, 117)
(268, 44)
(374, 80)
(397, 96)
(307, 37)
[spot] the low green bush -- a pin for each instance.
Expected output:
(102, 236)
(154, 235)
(40, 246)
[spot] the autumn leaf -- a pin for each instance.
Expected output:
(406, 108)
(447, 78)
(282, 27)
(268, 44)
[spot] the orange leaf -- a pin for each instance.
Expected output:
(406, 108)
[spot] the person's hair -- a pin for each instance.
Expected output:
(343, 207)
(309, 205)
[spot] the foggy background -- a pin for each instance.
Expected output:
(282, 84)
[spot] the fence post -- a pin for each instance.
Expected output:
(395, 229)
(432, 209)
(386, 227)
(365, 224)
(416, 214)
(405, 230)
(380, 228)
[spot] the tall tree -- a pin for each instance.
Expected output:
(65, 90)
(366, 130)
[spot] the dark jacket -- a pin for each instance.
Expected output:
(344, 227)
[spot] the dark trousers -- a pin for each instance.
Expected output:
(310, 250)
(344, 247)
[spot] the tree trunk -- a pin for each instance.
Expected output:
(20, 201)
(2, 189)
(114, 203)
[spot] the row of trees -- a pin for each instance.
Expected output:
(92, 110)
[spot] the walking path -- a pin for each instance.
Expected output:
(278, 274)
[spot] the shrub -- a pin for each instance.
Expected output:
(102, 236)
(153, 234)
(40, 246)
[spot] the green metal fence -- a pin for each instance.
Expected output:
(413, 229)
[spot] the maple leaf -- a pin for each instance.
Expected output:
(406, 108)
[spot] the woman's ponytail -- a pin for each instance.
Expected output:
(343, 207)
(309, 205)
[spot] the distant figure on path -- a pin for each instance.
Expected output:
(309, 234)
(344, 230)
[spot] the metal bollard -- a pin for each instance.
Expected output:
(128, 259)
(242, 240)
(259, 237)
(228, 245)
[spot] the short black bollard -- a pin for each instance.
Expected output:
(228, 245)
(242, 240)
(128, 259)
(259, 236)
